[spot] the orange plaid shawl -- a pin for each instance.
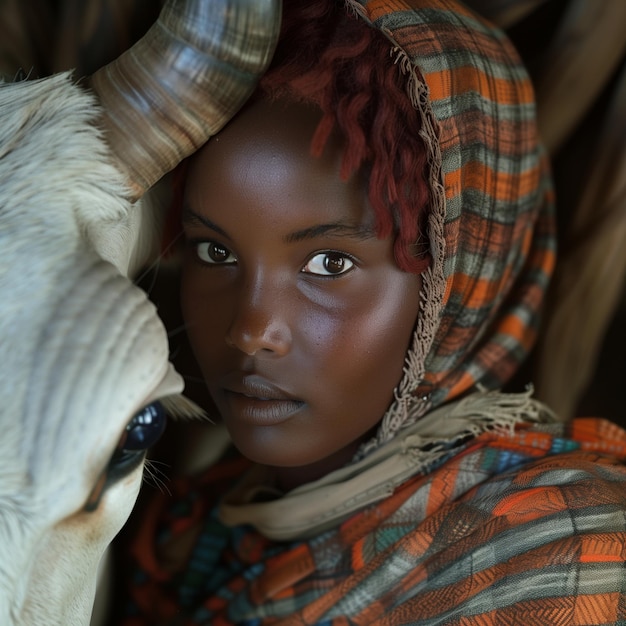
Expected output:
(529, 528)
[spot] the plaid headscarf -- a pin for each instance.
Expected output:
(492, 227)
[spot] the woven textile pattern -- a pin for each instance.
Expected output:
(528, 527)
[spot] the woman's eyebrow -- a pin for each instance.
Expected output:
(336, 229)
(192, 218)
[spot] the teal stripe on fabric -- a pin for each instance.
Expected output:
(434, 17)
(471, 101)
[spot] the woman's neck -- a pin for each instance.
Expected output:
(288, 478)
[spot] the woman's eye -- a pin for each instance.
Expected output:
(328, 264)
(214, 253)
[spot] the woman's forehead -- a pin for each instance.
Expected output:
(263, 158)
(265, 130)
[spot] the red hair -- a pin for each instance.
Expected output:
(328, 57)
(333, 59)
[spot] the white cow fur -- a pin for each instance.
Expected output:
(82, 349)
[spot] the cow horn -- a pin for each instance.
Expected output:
(179, 84)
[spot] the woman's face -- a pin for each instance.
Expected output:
(296, 312)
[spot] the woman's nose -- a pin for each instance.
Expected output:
(259, 324)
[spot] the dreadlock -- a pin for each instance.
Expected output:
(328, 57)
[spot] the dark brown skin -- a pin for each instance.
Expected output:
(297, 314)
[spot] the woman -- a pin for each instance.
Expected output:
(367, 247)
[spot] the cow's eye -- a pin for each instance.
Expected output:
(146, 428)
(141, 432)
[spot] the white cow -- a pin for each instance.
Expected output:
(84, 356)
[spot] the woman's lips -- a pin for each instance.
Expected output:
(253, 399)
